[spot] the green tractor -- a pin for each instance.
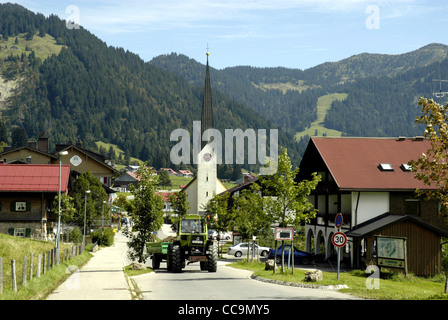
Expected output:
(192, 245)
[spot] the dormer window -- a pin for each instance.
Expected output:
(406, 167)
(386, 167)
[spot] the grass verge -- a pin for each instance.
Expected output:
(389, 286)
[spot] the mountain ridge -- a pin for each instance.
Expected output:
(94, 92)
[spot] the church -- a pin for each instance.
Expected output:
(206, 183)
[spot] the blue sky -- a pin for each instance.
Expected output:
(261, 33)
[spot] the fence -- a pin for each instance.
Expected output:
(45, 262)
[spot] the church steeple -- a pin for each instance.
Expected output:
(207, 112)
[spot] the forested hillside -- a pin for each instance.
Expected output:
(83, 90)
(92, 92)
(382, 90)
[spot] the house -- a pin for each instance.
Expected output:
(185, 173)
(26, 195)
(169, 170)
(34, 152)
(167, 208)
(123, 181)
(363, 179)
(132, 168)
(82, 160)
(247, 177)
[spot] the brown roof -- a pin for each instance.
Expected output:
(354, 162)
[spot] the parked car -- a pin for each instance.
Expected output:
(222, 235)
(300, 257)
(241, 248)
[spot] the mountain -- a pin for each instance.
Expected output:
(87, 91)
(72, 86)
(380, 91)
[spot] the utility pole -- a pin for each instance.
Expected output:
(441, 94)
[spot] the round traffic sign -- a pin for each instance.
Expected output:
(339, 239)
(338, 220)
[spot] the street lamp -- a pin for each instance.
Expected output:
(85, 213)
(102, 219)
(60, 154)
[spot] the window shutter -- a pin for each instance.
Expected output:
(11, 231)
(28, 206)
(13, 206)
(27, 232)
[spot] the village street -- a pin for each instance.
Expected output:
(226, 284)
(102, 279)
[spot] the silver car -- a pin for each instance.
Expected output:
(241, 248)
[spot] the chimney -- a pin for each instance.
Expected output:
(42, 143)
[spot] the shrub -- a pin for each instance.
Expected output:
(75, 235)
(106, 239)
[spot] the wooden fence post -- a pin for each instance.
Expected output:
(13, 274)
(44, 268)
(31, 266)
(1, 275)
(24, 271)
(48, 260)
(39, 264)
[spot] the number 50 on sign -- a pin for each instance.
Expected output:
(339, 239)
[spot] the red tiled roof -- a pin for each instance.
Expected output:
(165, 195)
(33, 177)
(354, 162)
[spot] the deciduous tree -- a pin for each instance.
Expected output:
(287, 200)
(147, 212)
(432, 167)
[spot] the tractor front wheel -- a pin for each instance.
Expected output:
(176, 259)
(212, 258)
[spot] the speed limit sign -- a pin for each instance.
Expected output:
(339, 239)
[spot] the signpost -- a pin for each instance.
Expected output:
(339, 239)
(391, 252)
(284, 234)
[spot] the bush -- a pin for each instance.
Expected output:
(75, 235)
(106, 239)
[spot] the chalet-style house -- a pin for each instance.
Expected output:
(368, 181)
(26, 195)
(124, 180)
(185, 173)
(30, 159)
(80, 159)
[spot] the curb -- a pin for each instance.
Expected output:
(297, 284)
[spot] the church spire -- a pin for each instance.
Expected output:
(207, 113)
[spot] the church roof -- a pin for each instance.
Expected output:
(207, 112)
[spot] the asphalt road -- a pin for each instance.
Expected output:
(226, 284)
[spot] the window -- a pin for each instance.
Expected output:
(19, 232)
(191, 226)
(412, 207)
(20, 206)
(386, 167)
(405, 167)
